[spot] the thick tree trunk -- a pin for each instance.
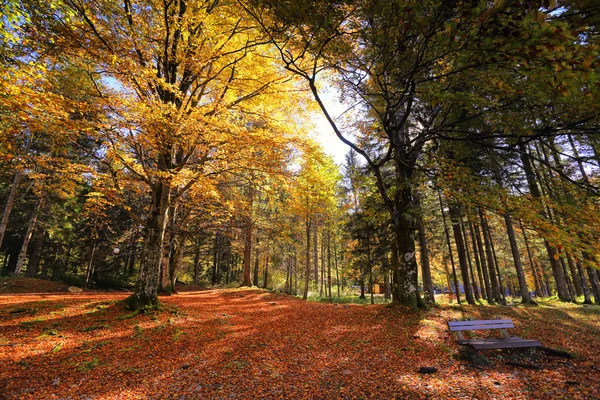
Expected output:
(584, 286)
(90, 266)
(575, 275)
(145, 291)
(27, 238)
(592, 274)
(36, 253)
(455, 217)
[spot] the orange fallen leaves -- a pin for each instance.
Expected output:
(238, 344)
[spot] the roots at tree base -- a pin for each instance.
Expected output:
(141, 303)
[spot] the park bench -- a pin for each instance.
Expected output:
(475, 345)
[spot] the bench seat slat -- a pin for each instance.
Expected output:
(488, 344)
(455, 326)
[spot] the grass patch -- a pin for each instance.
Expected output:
(96, 345)
(88, 365)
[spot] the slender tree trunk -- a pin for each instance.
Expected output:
(329, 263)
(316, 255)
(90, 267)
(323, 286)
(248, 236)
(484, 265)
(177, 262)
(460, 249)
(559, 277)
(569, 281)
(197, 259)
(450, 291)
(307, 274)
(456, 287)
(497, 264)
(477, 260)
(490, 260)
(12, 195)
(335, 259)
(476, 285)
(525, 297)
(266, 277)
(425, 267)
(27, 238)
(256, 262)
(538, 287)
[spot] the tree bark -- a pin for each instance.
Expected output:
(455, 217)
(484, 265)
(307, 273)
(425, 267)
(145, 291)
(475, 284)
(27, 238)
(36, 253)
(248, 236)
(256, 262)
(456, 287)
(490, 260)
(559, 277)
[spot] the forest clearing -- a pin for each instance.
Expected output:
(292, 199)
(249, 343)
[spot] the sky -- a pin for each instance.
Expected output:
(323, 131)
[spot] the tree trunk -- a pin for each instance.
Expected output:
(559, 277)
(455, 217)
(12, 195)
(592, 274)
(490, 260)
(197, 260)
(316, 256)
(177, 262)
(335, 259)
(538, 287)
(584, 286)
(266, 277)
(256, 262)
(36, 253)
(450, 291)
(90, 267)
(456, 287)
(425, 267)
(484, 265)
(497, 264)
(145, 291)
(248, 236)
(27, 238)
(307, 274)
(477, 261)
(524, 290)
(475, 284)
(575, 275)
(329, 263)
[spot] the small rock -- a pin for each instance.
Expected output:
(185, 366)
(427, 370)
(75, 289)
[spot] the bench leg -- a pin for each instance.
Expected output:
(473, 356)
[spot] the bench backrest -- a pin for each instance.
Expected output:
(455, 326)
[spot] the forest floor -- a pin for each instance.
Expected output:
(249, 343)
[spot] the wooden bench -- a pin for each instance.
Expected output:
(475, 345)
